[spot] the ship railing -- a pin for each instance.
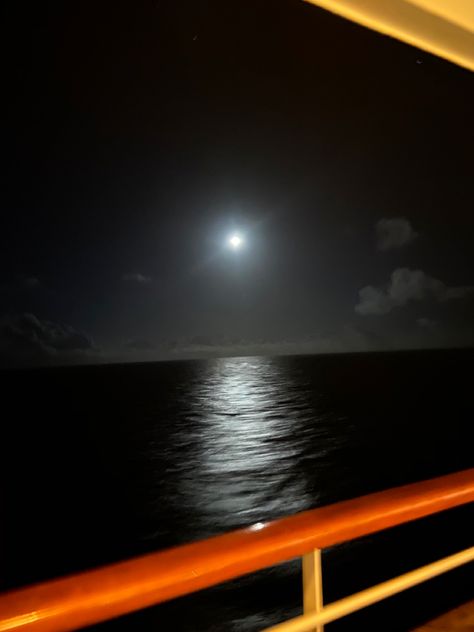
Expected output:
(97, 595)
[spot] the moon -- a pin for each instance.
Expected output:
(235, 241)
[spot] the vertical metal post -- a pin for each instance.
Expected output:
(313, 585)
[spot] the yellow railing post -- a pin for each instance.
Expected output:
(313, 585)
(337, 609)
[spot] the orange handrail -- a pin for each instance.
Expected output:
(93, 596)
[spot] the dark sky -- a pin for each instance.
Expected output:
(140, 134)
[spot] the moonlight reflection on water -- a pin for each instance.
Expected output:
(247, 434)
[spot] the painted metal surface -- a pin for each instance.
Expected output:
(444, 28)
(93, 596)
(343, 607)
(313, 585)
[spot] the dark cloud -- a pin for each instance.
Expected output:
(26, 338)
(20, 283)
(426, 323)
(406, 285)
(347, 339)
(136, 277)
(394, 233)
(31, 282)
(139, 344)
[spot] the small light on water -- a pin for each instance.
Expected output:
(257, 526)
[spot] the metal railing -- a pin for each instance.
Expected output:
(93, 596)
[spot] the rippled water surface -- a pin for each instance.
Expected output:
(102, 463)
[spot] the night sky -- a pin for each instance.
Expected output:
(140, 135)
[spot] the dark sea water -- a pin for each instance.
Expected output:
(103, 463)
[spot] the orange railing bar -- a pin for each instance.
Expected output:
(117, 589)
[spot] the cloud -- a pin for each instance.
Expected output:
(406, 285)
(136, 277)
(22, 283)
(373, 301)
(139, 344)
(394, 233)
(426, 323)
(31, 282)
(347, 339)
(25, 339)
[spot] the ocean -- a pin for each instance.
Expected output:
(102, 463)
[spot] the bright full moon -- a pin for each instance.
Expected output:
(235, 241)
